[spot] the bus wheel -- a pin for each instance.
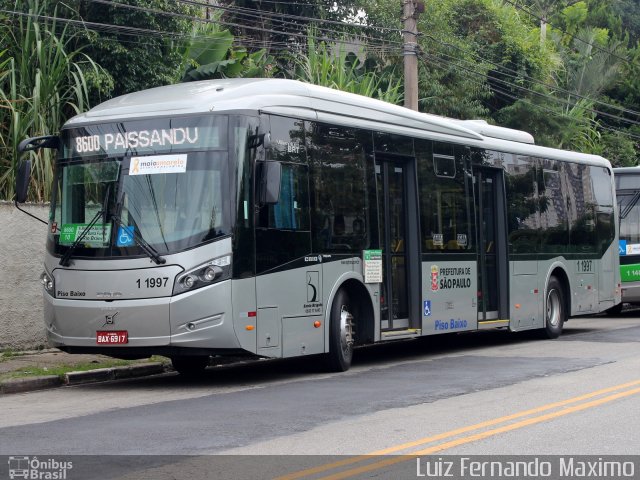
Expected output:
(341, 333)
(555, 314)
(190, 365)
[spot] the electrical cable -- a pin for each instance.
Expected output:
(524, 100)
(529, 12)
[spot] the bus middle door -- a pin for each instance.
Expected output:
(493, 260)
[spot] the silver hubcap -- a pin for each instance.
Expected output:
(346, 328)
(553, 308)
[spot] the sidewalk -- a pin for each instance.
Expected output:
(34, 370)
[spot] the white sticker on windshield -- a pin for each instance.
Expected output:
(153, 164)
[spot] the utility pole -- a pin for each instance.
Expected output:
(410, 11)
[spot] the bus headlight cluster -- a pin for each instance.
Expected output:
(210, 272)
(47, 282)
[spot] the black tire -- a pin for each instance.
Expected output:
(341, 332)
(190, 366)
(615, 310)
(554, 308)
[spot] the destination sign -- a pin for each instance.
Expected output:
(137, 139)
(147, 137)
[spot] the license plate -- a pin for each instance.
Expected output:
(116, 337)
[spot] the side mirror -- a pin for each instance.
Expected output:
(22, 181)
(269, 176)
(261, 139)
(36, 143)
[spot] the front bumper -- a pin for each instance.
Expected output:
(197, 320)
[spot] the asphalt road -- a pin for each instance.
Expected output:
(490, 393)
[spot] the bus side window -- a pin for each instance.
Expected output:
(340, 190)
(292, 210)
(283, 229)
(446, 197)
(554, 219)
(523, 216)
(582, 210)
(605, 220)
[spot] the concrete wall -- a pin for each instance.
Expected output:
(22, 243)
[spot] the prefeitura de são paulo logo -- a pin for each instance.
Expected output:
(38, 469)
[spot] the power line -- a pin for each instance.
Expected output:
(528, 90)
(142, 32)
(515, 75)
(551, 97)
(232, 24)
(593, 45)
(139, 32)
(539, 82)
(287, 15)
(524, 100)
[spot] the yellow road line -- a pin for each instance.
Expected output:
(451, 433)
(480, 436)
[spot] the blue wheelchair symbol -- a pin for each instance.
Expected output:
(427, 308)
(125, 236)
(622, 247)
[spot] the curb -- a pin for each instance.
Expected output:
(19, 385)
(27, 384)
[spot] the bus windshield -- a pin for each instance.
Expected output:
(165, 181)
(629, 207)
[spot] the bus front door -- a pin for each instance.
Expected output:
(398, 243)
(493, 261)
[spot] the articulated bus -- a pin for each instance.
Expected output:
(278, 219)
(627, 194)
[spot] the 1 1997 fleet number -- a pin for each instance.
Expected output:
(585, 266)
(153, 282)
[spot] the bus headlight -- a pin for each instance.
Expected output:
(210, 273)
(188, 282)
(206, 274)
(47, 282)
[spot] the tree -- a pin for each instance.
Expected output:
(544, 9)
(44, 80)
(335, 66)
(211, 54)
(134, 55)
(281, 27)
(628, 12)
(482, 55)
(619, 149)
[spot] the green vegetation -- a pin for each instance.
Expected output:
(566, 71)
(62, 369)
(44, 80)
(334, 66)
(8, 353)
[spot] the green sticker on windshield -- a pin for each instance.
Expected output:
(97, 236)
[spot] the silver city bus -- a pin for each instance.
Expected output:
(278, 219)
(628, 193)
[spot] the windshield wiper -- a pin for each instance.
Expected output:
(64, 261)
(630, 206)
(148, 249)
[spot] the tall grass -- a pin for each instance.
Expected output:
(43, 81)
(335, 66)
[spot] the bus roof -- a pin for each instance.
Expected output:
(626, 170)
(312, 102)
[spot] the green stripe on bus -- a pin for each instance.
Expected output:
(630, 273)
